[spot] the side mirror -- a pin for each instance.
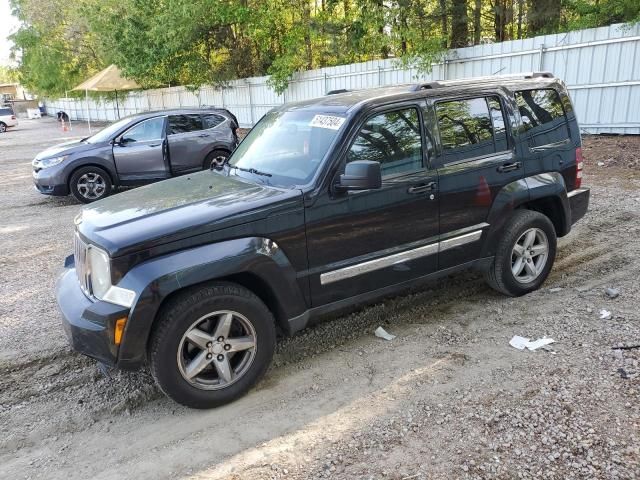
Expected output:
(361, 175)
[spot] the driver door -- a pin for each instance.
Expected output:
(140, 152)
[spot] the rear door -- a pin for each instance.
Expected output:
(187, 143)
(140, 152)
(476, 159)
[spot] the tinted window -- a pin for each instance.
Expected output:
(145, 131)
(466, 128)
(393, 139)
(184, 123)
(497, 119)
(5, 111)
(542, 116)
(212, 120)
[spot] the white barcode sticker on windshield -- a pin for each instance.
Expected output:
(327, 121)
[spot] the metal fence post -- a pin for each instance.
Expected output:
(250, 102)
(379, 76)
(541, 63)
(326, 82)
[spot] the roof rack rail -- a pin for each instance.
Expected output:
(336, 92)
(492, 78)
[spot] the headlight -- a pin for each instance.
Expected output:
(50, 162)
(100, 268)
(100, 271)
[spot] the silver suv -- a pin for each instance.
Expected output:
(136, 150)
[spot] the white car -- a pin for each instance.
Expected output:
(7, 119)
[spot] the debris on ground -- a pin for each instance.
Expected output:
(612, 292)
(521, 342)
(605, 314)
(382, 333)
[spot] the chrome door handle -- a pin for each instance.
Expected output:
(509, 167)
(423, 187)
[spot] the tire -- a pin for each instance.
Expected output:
(89, 184)
(501, 276)
(3, 127)
(216, 158)
(193, 373)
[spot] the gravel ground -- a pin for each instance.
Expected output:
(448, 398)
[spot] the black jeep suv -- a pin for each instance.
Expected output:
(326, 204)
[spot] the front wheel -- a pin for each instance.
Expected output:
(215, 160)
(525, 254)
(211, 345)
(3, 127)
(89, 184)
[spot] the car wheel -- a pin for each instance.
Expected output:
(211, 345)
(3, 127)
(89, 184)
(215, 160)
(525, 254)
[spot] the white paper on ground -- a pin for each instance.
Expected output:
(605, 314)
(382, 333)
(521, 343)
(518, 342)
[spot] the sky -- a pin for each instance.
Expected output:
(8, 25)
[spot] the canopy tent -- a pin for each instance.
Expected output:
(108, 80)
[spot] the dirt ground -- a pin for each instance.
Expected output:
(448, 398)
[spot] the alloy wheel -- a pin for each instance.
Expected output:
(3, 128)
(529, 255)
(217, 162)
(91, 186)
(217, 350)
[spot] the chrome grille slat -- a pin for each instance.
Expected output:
(80, 258)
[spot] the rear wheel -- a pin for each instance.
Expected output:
(89, 184)
(211, 345)
(215, 160)
(3, 127)
(525, 254)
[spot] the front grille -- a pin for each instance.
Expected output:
(80, 250)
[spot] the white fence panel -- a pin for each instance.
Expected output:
(601, 67)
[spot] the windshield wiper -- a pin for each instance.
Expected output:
(251, 170)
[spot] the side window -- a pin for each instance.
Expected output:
(466, 129)
(542, 116)
(184, 123)
(391, 138)
(212, 120)
(497, 119)
(145, 131)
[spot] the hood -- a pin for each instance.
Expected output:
(179, 208)
(65, 148)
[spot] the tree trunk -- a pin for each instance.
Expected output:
(306, 12)
(443, 21)
(520, 13)
(459, 24)
(477, 29)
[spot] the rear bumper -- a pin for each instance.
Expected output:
(579, 203)
(89, 325)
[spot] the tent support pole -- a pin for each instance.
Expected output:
(88, 111)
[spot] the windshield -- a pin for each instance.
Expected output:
(286, 147)
(108, 132)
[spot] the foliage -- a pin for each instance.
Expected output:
(195, 42)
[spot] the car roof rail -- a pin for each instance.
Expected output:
(487, 79)
(336, 92)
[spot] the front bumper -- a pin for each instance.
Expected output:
(50, 181)
(579, 203)
(89, 325)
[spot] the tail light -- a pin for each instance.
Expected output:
(579, 168)
(13, 117)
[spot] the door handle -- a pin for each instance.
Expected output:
(423, 187)
(155, 145)
(204, 135)
(509, 167)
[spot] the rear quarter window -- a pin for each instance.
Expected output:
(5, 111)
(543, 116)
